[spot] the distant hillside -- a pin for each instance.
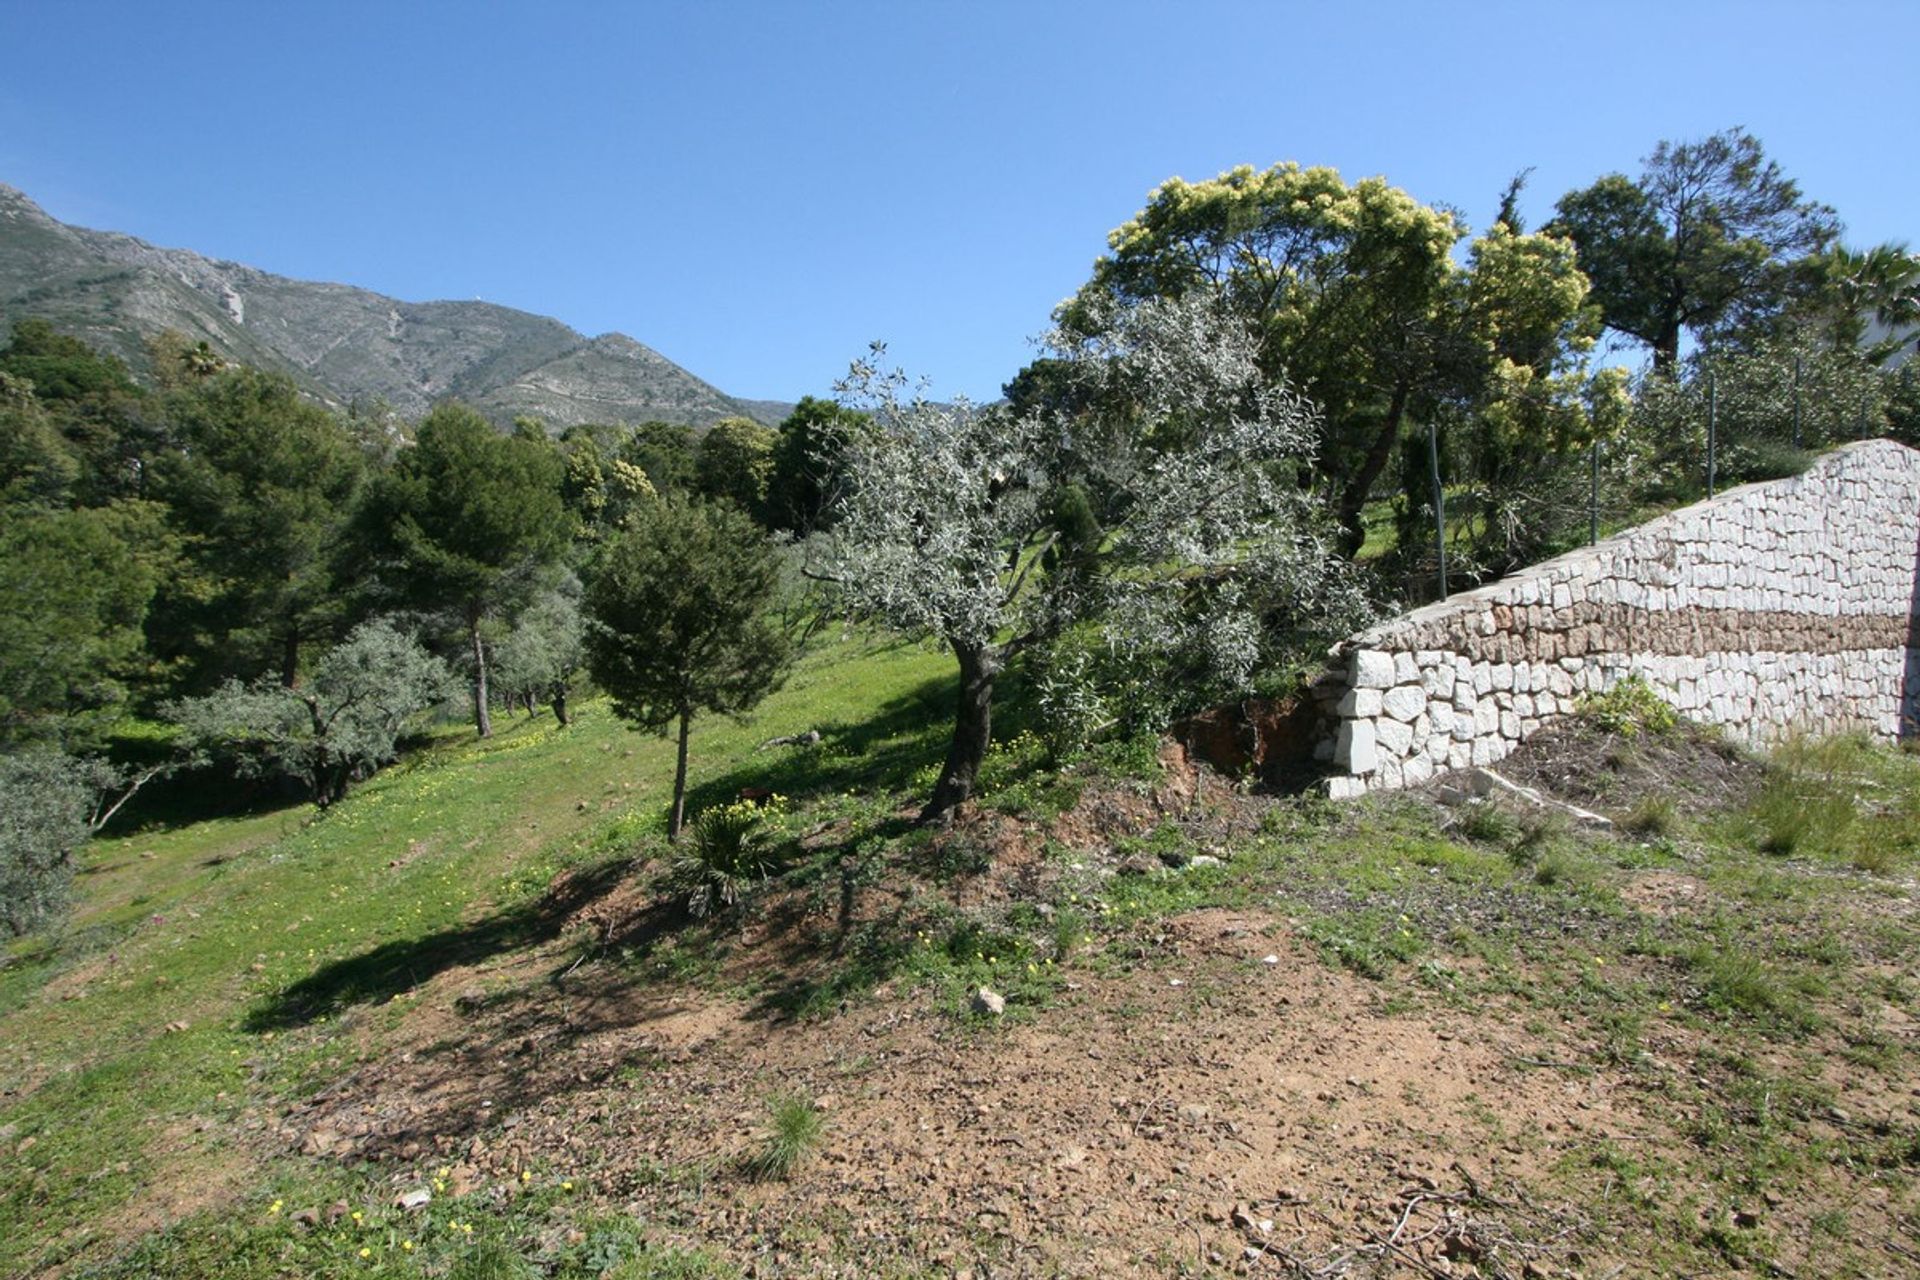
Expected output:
(345, 345)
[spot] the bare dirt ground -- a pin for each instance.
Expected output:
(1218, 1100)
(1213, 1106)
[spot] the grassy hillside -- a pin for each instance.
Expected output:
(1243, 1034)
(217, 967)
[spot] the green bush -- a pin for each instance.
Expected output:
(731, 848)
(45, 800)
(1652, 816)
(1809, 803)
(1072, 708)
(1630, 708)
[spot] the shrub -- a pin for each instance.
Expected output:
(1486, 822)
(1653, 816)
(1630, 708)
(45, 801)
(731, 849)
(1809, 803)
(1072, 710)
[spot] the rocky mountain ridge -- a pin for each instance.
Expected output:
(346, 345)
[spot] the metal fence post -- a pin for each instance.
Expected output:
(1796, 402)
(1439, 503)
(1713, 410)
(1593, 496)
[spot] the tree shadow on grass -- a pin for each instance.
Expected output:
(393, 967)
(880, 751)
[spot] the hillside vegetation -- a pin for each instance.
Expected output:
(919, 945)
(1242, 1035)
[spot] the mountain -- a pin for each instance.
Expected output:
(344, 345)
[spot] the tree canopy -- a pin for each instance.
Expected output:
(259, 489)
(1352, 297)
(734, 463)
(1160, 498)
(465, 522)
(677, 603)
(809, 465)
(1712, 234)
(77, 585)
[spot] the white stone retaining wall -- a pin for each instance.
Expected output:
(1769, 609)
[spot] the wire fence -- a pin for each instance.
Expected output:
(1686, 440)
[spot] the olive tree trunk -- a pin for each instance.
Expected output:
(972, 729)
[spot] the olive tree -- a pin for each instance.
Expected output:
(543, 655)
(44, 798)
(342, 724)
(1158, 496)
(50, 804)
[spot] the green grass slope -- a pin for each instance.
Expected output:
(207, 966)
(1422, 1035)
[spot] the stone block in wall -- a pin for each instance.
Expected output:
(1372, 669)
(1354, 750)
(1406, 702)
(1346, 788)
(1405, 669)
(1395, 738)
(1440, 718)
(1360, 703)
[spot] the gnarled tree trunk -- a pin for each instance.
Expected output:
(972, 728)
(1353, 499)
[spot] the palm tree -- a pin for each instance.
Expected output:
(1878, 286)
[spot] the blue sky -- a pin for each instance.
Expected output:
(758, 189)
